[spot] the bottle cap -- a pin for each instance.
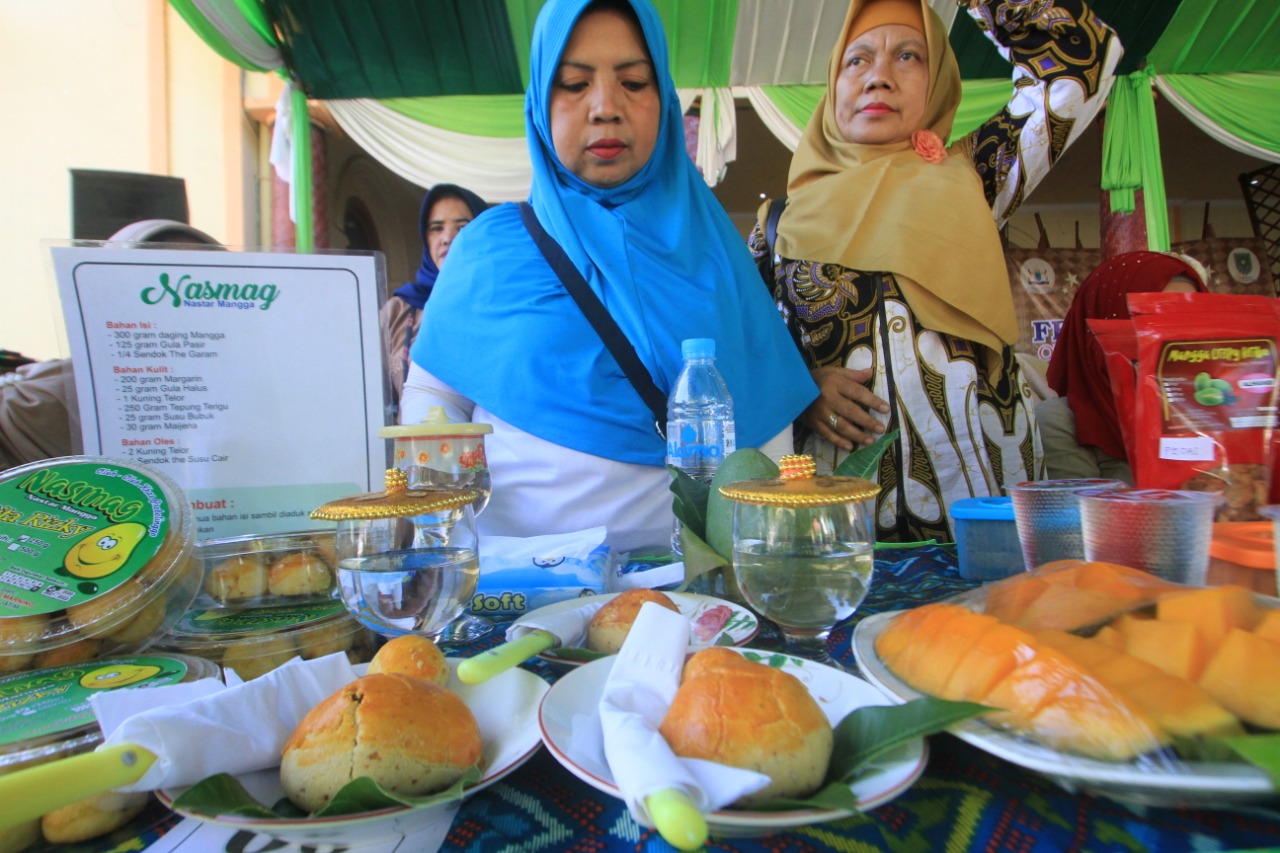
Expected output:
(436, 423)
(698, 348)
(796, 485)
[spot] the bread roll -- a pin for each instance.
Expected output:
(414, 656)
(745, 714)
(410, 736)
(611, 624)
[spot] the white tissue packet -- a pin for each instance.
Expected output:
(520, 574)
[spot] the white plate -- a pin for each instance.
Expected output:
(505, 707)
(572, 701)
(739, 628)
(1192, 783)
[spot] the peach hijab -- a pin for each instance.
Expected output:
(884, 208)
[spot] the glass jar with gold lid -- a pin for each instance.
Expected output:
(407, 558)
(803, 550)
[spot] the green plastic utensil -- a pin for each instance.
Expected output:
(677, 819)
(33, 791)
(501, 658)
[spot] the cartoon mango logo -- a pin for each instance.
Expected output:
(101, 553)
(117, 675)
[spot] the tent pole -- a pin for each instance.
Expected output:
(304, 240)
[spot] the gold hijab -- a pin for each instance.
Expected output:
(886, 208)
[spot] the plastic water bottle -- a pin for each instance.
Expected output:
(700, 431)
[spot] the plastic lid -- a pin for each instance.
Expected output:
(1151, 496)
(797, 486)
(698, 348)
(398, 501)
(1246, 543)
(997, 508)
(91, 548)
(46, 715)
(437, 424)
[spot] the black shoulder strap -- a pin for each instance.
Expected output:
(771, 225)
(600, 319)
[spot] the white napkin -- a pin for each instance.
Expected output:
(636, 696)
(568, 626)
(203, 728)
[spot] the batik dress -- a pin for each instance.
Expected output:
(963, 413)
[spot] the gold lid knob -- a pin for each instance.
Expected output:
(797, 485)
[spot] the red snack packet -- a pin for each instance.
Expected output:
(1204, 411)
(1120, 349)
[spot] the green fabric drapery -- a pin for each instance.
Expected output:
(494, 116)
(211, 35)
(1131, 156)
(1239, 110)
(1215, 61)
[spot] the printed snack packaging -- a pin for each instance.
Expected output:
(1202, 412)
(95, 560)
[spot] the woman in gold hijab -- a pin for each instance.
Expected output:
(887, 264)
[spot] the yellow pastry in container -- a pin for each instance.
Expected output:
(255, 640)
(40, 725)
(267, 570)
(238, 578)
(301, 573)
(99, 549)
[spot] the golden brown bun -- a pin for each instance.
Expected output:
(300, 573)
(414, 656)
(750, 715)
(410, 736)
(611, 624)
(92, 816)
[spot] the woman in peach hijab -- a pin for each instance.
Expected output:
(887, 264)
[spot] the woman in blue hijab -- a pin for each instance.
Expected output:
(502, 342)
(445, 209)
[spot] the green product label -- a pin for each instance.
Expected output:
(70, 533)
(227, 623)
(1217, 385)
(49, 701)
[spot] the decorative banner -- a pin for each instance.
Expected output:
(252, 379)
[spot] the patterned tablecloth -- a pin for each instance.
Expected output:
(966, 800)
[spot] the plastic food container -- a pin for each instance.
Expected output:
(987, 538)
(266, 570)
(253, 641)
(45, 716)
(95, 560)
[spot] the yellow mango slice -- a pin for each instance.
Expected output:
(1178, 648)
(1215, 610)
(1243, 675)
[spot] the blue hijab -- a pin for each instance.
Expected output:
(418, 291)
(659, 251)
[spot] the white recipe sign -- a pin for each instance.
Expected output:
(252, 379)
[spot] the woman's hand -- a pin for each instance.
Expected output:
(842, 414)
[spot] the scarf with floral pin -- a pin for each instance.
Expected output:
(913, 208)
